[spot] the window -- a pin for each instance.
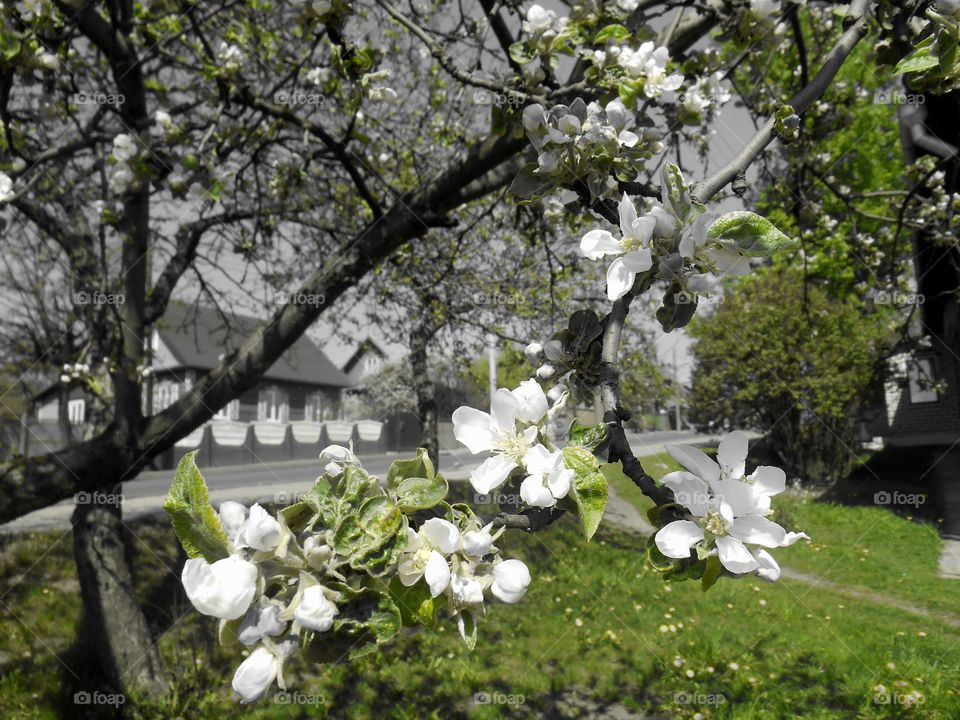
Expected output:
(313, 407)
(76, 411)
(230, 411)
(272, 405)
(921, 375)
(165, 394)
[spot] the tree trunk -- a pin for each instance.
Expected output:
(423, 388)
(116, 628)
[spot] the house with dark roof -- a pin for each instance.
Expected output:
(303, 385)
(190, 340)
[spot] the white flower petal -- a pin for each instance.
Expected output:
(769, 480)
(559, 482)
(540, 460)
(638, 261)
(224, 589)
(628, 215)
(677, 538)
(769, 568)
(742, 498)
(791, 537)
(492, 473)
(315, 612)
(734, 556)
(696, 461)
(619, 280)
(732, 454)
(473, 428)
(690, 491)
(532, 403)
(504, 410)
(477, 543)
(757, 531)
(437, 573)
(533, 492)
(597, 243)
(442, 534)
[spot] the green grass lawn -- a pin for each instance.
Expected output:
(596, 629)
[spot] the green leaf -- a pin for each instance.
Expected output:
(416, 605)
(9, 45)
(419, 493)
(323, 501)
(521, 53)
(194, 520)
(917, 61)
(363, 532)
(586, 436)
(585, 327)
(418, 467)
(752, 235)
(589, 487)
(676, 199)
(369, 613)
(528, 185)
(711, 573)
(355, 485)
(627, 90)
(677, 310)
(467, 624)
(616, 33)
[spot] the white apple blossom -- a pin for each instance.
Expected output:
(315, 611)
(255, 675)
(538, 20)
(511, 578)
(336, 458)
(507, 432)
(729, 509)
(230, 56)
(425, 555)
(764, 9)
(632, 251)
(223, 589)
(650, 63)
(549, 479)
(232, 516)
(477, 543)
(259, 622)
(259, 531)
(124, 147)
(6, 188)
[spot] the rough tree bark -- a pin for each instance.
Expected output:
(424, 389)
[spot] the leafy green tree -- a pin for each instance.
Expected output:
(799, 377)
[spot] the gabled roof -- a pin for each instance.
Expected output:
(368, 346)
(199, 336)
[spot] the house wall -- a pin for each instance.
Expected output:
(909, 423)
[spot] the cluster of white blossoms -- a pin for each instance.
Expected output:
(543, 25)
(285, 581)
(587, 142)
(122, 176)
(74, 371)
(6, 188)
(514, 435)
(231, 57)
(709, 91)
(730, 509)
(673, 236)
(649, 62)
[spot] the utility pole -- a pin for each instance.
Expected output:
(676, 388)
(492, 360)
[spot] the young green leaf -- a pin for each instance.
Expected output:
(194, 519)
(589, 487)
(751, 234)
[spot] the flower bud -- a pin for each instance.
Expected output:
(232, 516)
(260, 622)
(255, 675)
(477, 543)
(557, 393)
(510, 580)
(545, 372)
(260, 530)
(534, 353)
(315, 612)
(224, 589)
(554, 351)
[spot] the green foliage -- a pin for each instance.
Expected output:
(512, 369)
(589, 487)
(749, 233)
(782, 356)
(194, 520)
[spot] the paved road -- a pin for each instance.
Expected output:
(281, 481)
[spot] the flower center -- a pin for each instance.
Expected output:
(630, 244)
(512, 446)
(714, 523)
